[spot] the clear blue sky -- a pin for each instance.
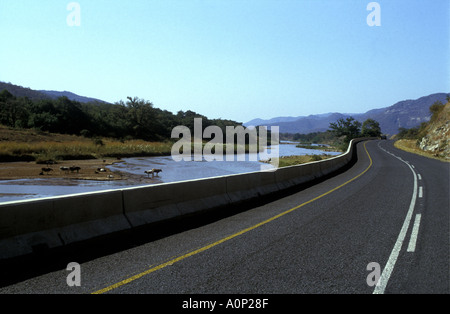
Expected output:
(233, 59)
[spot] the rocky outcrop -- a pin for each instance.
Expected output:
(437, 140)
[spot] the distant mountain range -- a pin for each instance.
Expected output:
(20, 91)
(71, 96)
(403, 114)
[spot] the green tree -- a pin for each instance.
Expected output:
(349, 127)
(135, 118)
(43, 121)
(435, 109)
(144, 120)
(13, 111)
(6, 95)
(404, 133)
(71, 118)
(371, 128)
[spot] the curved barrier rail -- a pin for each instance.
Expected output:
(31, 225)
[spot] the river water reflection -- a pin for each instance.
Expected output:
(12, 190)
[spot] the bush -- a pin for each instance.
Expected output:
(408, 134)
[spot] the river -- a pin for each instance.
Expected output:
(13, 190)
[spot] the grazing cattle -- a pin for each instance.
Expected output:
(152, 172)
(65, 169)
(157, 171)
(148, 172)
(74, 168)
(46, 170)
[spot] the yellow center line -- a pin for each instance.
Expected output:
(180, 258)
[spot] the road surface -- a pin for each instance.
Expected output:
(381, 226)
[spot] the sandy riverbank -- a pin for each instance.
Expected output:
(88, 170)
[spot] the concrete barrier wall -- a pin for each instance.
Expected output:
(51, 222)
(148, 204)
(287, 177)
(249, 185)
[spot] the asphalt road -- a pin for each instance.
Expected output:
(381, 226)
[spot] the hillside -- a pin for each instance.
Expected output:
(305, 125)
(35, 95)
(403, 114)
(430, 139)
(437, 138)
(133, 119)
(19, 91)
(71, 96)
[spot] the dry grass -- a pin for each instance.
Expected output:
(33, 145)
(286, 161)
(23, 154)
(79, 150)
(411, 147)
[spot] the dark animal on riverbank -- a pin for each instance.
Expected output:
(65, 169)
(46, 170)
(152, 172)
(157, 171)
(74, 168)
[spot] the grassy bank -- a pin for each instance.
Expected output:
(325, 148)
(410, 145)
(44, 151)
(33, 145)
(79, 150)
(286, 161)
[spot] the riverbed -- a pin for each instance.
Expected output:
(172, 171)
